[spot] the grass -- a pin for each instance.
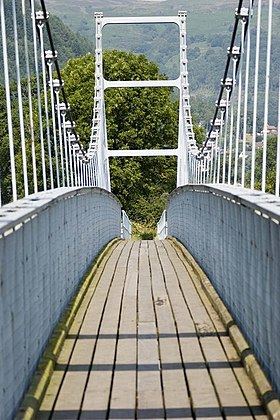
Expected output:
(143, 232)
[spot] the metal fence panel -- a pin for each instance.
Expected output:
(234, 235)
(47, 242)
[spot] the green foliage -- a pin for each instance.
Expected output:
(5, 163)
(143, 231)
(79, 84)
(67, 43)
(200, 134)
(270, 165)
(4, 149)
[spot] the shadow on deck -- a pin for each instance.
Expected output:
(147, 344)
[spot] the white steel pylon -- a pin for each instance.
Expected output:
(186, 140)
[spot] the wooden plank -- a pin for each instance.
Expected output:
(175, 392)
(230, 395)
(244, 381)
(56, 380)
(148, 344)
(181, 312)
(203, 396)
(77, 371)
(219, 327)
(145, 303)
(123, 396)
(149, 390)
(201, 319)
(98, 388)
(204, 326)
(77, 328)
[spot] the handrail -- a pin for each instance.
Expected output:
(126, 228)
(263, 203)
(162, 227)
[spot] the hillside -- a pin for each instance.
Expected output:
(209, 30)
(68, 43)
(80, 13)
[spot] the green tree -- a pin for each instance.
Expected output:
(270, 165)
(200, 134)
(67, 42)
(136, 119)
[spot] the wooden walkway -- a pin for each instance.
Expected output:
(147, 344)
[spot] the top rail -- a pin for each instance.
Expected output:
(16, 214)
(141, 20)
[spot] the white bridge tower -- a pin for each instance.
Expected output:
(186, 140)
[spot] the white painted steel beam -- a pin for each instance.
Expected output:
(140, 20)
(142, 83)
(185, 132)
(145, 152)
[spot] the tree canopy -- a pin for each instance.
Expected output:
(270, 165)
(136, 118)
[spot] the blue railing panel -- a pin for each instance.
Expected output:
(234, 235)
(47, 242)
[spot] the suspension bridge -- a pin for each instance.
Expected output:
(185, 326)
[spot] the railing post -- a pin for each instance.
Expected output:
(162, 226)
(125, 226)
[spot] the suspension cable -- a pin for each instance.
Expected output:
(238, 118)
(245, 114)
(228, 62)
(40, 115)
(20, 106)
(256, 85)
(50, 38)
(52, 86)
(8, 101)
(56, 91)
(40, 23)
(267, 83)
(31, 121)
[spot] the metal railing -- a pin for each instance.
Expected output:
(47, 243)
(234, 234)
(126, 228)
(162, 228)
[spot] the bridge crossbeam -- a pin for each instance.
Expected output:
(142, 152)
(142, 83)
(178, 20)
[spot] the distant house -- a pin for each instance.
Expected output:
(271, 129)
